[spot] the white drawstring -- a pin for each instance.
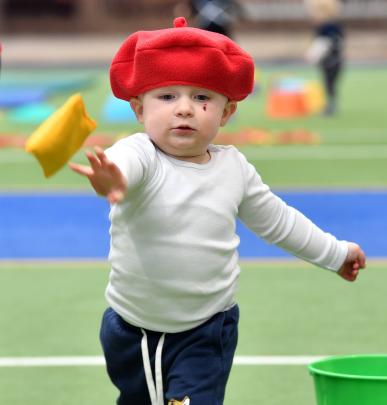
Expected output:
(156, 394)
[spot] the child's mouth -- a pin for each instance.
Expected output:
(183, 129)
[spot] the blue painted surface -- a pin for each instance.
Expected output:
(355, 216)
(16, 98)
(53, 226)
(77, 225)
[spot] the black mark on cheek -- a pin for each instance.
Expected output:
(205, 107)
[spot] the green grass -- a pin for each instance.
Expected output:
(60, 305)
(288, 308)
(279, 166)
(89, 386)
(56, 386)
(362, 117)
(270, 385)
(353, 147)
(320, 166)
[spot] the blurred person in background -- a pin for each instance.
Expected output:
(211, 15)
(326, 50)
(63, 8)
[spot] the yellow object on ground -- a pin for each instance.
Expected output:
(57, 139)
(315, 97)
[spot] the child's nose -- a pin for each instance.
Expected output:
(184, 107)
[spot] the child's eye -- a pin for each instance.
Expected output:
(166, 97)
(202, 97)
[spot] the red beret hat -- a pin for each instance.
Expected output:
(181, 56)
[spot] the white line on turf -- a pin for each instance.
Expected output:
(58, 361)
(63, 361)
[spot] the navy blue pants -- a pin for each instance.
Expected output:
(195, 363)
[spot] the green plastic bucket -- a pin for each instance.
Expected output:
(351, 380)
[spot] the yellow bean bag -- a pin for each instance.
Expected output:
(62, 134)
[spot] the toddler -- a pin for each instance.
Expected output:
(170, 332)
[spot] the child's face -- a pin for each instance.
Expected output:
(183, 120)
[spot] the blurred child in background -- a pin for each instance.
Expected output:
(211, 15)
(326, 50)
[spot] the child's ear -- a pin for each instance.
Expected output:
(228, 111)
(137, 107)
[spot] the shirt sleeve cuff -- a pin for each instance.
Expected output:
(342, 252)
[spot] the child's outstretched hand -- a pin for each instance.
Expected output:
(105, 177)
(354, 261)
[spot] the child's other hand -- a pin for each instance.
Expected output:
(105, 177)
(354, 261)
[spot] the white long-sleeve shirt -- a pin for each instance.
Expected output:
(173, 253)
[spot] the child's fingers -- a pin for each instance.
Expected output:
(355, 271)
(362, 259)
(351, 274)
(115, 196)
(357, 255)
(80, 169)
(106, 163)
(93, 160)
(350, 271)
(101, 154)
(102, 157)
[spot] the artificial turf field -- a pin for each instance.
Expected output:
(352, 152)
(287, 308)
